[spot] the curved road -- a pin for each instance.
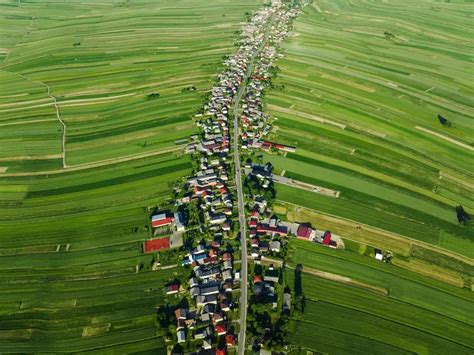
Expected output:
(240, 196)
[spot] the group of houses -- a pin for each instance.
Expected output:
(210, 285)
(256, 124)
(207, 324)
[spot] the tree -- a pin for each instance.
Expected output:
(463, 216)
(445, 122)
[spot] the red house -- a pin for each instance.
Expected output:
(230, 340)
(303, 232)
(220, 329)
(327, 238)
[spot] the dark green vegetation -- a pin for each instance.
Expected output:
(72, 273)
(362, 109)
(419, 315)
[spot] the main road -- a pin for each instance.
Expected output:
(240, 195)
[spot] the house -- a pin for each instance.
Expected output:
(178, 222)
(217, 317)
(271, 275)
(227, 275)
(230, 340)
(220, 329)
(378, 254)
(286, 302)
(257, 279)
(161, 220)
(304, 232)
(180, 324)
(172, 289)
(263, 246)
(211, 289)
(193, 282)
(181, 313)
(282, 231)
(326, 238)
(181, 336)
(221, 351)
(275, 246)
(207, 344)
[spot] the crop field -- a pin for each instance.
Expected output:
(99, 64)
(358, 93)
(418, 315)
(71, 239)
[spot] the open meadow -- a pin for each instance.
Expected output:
(358, 94)
(106, 89)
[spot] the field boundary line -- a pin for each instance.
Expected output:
(456, 179)
(395, 236)
(446, 138)
(307, 116)
(341, 279)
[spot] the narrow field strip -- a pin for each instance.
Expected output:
(446, 138)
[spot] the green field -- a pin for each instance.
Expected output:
(419, 315)
(356, 81)
(101, 60)
(71, 239)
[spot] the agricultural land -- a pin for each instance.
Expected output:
(237, 177)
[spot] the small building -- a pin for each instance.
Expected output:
(275, 246)
(161, 220)
(286, 302)
(304, 232)
(178, 222)
(378, 254)
(271, 275)
(220, 329)
(326, 238)
(172, 289)
(181, 336)
(181, 313)
(230, 340)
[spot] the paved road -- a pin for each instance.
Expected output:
(240, 198)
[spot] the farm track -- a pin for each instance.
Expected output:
(58, 115)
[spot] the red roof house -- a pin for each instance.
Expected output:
(161, 220)
(230, 340)
(303, 232)
(220, 329)
(327, 238)
(257, 279)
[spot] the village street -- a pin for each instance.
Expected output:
(240, 197)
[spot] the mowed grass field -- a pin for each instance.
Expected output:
(71, 239)
(417, 315)
(358, 94)
(100, 61)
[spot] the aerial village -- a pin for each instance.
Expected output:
(210, 323)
